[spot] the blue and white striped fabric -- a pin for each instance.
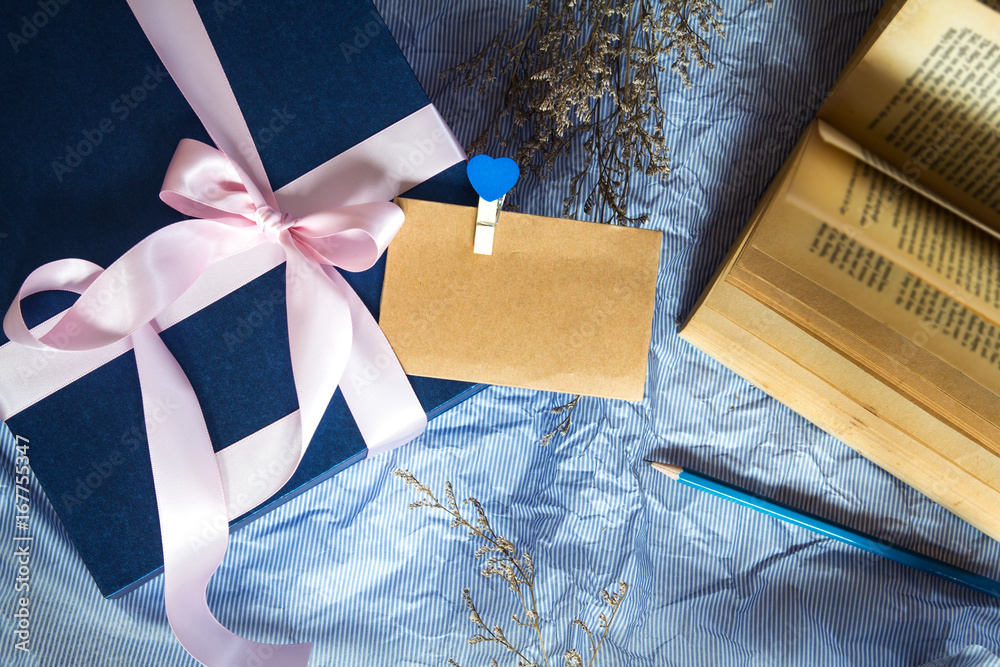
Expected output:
(348, 567)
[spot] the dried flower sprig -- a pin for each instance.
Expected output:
(518, 571)
(590, 69)
(563, 427)
(614, 600)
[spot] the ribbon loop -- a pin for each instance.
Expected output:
(203, 183)
(350, 237)
(117, 301)
(68, 275)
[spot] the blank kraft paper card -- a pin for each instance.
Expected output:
(560, 305)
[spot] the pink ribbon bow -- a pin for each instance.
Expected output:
(326, 320)
(332, 336)
(328, 330)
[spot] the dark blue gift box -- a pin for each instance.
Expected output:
(90, 122)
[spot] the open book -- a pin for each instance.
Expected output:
(864, 292)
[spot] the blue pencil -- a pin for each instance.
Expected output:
(832, 530)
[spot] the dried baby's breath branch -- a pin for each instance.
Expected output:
(589, 70)
(502, 560)
(615, 601)
(518, 571)
(494, 634)
(563, 427)
(587, 632)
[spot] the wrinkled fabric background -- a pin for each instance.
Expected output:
(347, 566)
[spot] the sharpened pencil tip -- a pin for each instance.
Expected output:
(673, 472)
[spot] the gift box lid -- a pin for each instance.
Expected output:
(91, 122)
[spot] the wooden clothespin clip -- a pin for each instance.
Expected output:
(492, 179)
(486, 224)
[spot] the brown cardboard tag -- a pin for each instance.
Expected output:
(560, 305)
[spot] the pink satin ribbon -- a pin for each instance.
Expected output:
(332, 336)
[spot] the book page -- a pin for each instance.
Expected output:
(837, 138)
(879, 212)
(926, 99)
(888, 293)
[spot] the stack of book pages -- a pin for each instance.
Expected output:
(864, 292)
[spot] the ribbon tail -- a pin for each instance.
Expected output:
(319, 336)
(374, 381)
(192, 510)
(177, 34)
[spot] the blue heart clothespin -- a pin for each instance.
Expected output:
(492, 179)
